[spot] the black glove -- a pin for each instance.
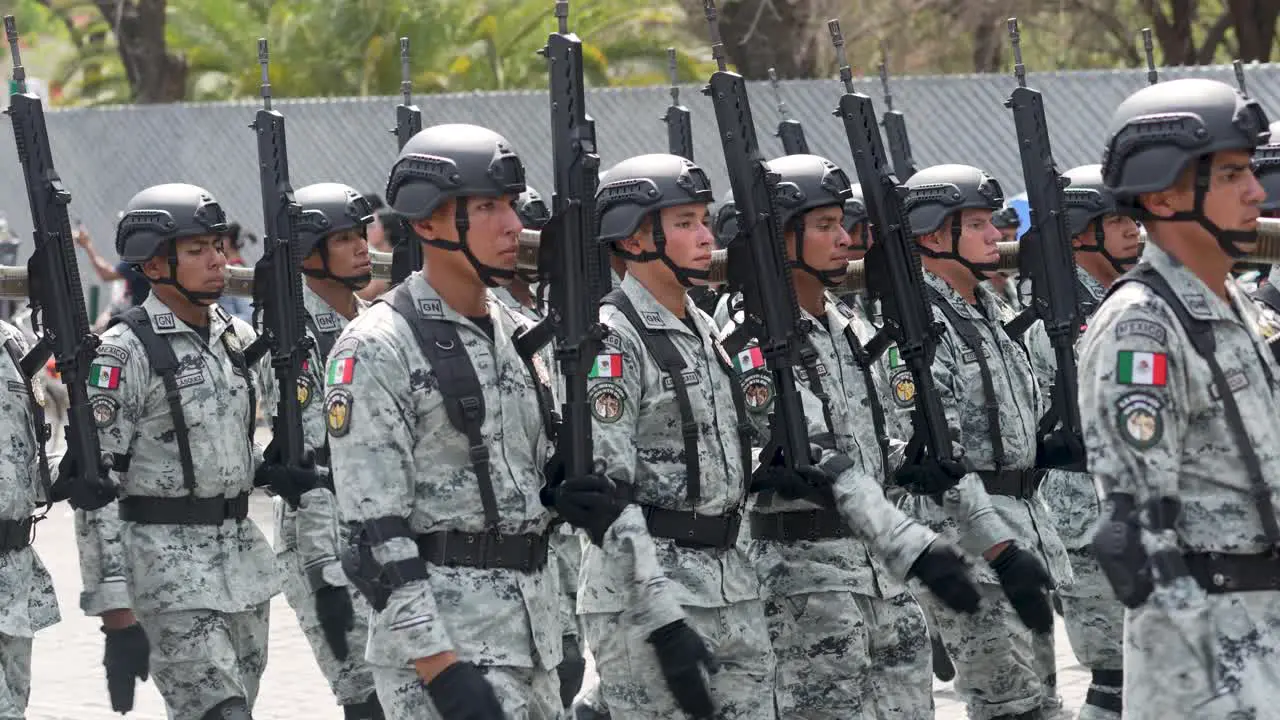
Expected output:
(1027, 586)
(552, 477)
(284, 480)
(460, 692)
(1061, 449)
(802, 483)
(81, 494)
(682, 655)
(930, 476)
(570, 670)
(337, 618)
(944, 571)
(127, 657)
(590, 503)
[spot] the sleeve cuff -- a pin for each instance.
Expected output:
(112, 593)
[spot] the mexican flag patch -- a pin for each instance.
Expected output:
(607, 365)
(749, 359)
(1141, 368)
(102, 376)
(340, 371)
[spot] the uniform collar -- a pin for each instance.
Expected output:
(1201, 302)
(326, 317)
(982, 294)
(165, 322)
(653, 315)
(431, 306)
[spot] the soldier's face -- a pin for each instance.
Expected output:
(978, 237)
(493, 231)
(201, 264)
(348, 254)
(1121, 236)
(826, 245)
(860, 241)
(1234, 192)
(689, 238)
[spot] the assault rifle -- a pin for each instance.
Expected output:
(895, 127)
(277, 284)
(1044, 255)
(679, 123)
(790, 131)
(406, 255)
(58, 312)
(1148, 49)
(757, 263)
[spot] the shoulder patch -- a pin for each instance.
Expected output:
(17, 386)
(757, 390)
(114, 351)
(164, 321)
(1139, 420)
(327, 322)
(1144, 328)
(105, 409)
(431, 308)
(306, 389)
(607, 365)
(607, 401)
(1237, 380)
(104, 376)
(1142, 368)
(689, 377)
(340, 371)
(612, 340)
(347, 343)
(337, 412)
(652, 318)
(748, 360)
(1196, 303)
(904, 389)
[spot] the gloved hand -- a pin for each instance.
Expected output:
(552, 477)
(287, 481)
(126, 657)
(337, 618)
(683, 655)
(1061, 449)
(802, 483)
(82, 494)
(930, 476)
(944, 571)
(1027, 585)
(460, 692)
(590, 503)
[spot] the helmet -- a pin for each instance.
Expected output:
(1006, 218)
(533, 212)
(1087, 198)
(725, 222)
(806, 182)
(646, 184)
(1159, 129)
(329, 208)
(855, 208)
(1266, 163)
(448, 161)
(162, 213)
(935, 193)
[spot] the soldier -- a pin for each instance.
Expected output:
(990, 393)
(1006, 288)
(173, 397)
(309, 537)
(439, 462)
(1266, 164)
(1178, 399)
(665, 592)
(831, 551)
(27, 600)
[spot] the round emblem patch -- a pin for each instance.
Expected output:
(1139, 419)
(104, 410)
(306, 389)
(757, 390)
(607, 401)
(904, 390)
(337, 412)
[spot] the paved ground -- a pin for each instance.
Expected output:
(69, 683)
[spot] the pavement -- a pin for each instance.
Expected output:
(68, 681)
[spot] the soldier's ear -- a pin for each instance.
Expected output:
(156, 268)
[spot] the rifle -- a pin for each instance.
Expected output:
(757, 264)
(406, 256)
(1149, 50)
(573, 265)
(58, 312)
(895, 127)
(893, 263)
(679, 123)
(277, 280)
(790, 131)
(1044, 255)
(1238, 67)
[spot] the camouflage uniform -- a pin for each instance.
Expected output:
(1158, 430)
(200, 592)
(27, 601)
(1093, 616)
(997, 670)
(850, 641)
(310, 538)
(397, 455)
(637, 583)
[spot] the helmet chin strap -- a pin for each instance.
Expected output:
(981, 271)
(489, 275)
(687, 277)
(829, 278)
(1228, 240)
(351, 282)
(1120, 265)
(196, 297)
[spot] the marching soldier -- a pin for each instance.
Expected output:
(174, 400)
(1178, 396)
(438, 435)
(669, 602)
(990, 393)
(1266, 164)
(831, 551)
(309, 536)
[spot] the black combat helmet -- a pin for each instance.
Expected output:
(856, 216)
(329, 208)
(807, 182)
(936, 193)
(724, 223)
(1158, 131)
(1088, 200)
(162, 214)
(641, 187)
(533, 211)
(1266, 163)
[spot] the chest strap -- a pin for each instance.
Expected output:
(863, 359)
(41, 428)
(972, 338)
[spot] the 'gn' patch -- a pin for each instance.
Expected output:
(164, 321)
(327, 322)
(757, 389)
(904, 390)
(104, 410)
(337, 412)
(306, 389)
(607, 401)
(1138, 419)
(431, 308)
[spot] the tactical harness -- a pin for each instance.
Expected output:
(188, 510)
(681, 526)
(16, 534)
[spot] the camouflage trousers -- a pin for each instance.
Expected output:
(997, 671)
(200, 658)
(843, 655)
(350, 679)
(525, 693)
(1095, 626)
(15, 676)
(631, 681)
(1214, 660)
